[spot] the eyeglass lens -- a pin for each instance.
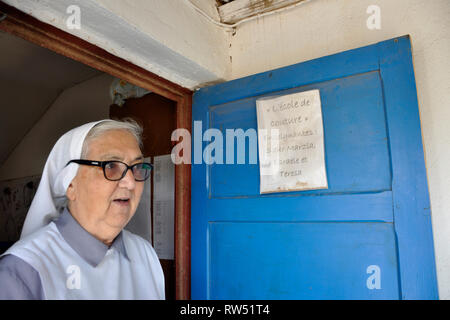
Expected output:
(115, 170)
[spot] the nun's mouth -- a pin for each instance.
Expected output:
(122, 201)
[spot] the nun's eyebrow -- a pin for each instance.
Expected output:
(115, 157)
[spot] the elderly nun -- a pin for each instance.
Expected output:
(73, 245)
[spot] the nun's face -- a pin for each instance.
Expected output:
(101, 206)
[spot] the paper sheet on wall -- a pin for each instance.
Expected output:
(164, 206)
(290, 142)
(141, 223)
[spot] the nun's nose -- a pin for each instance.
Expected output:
(128, 180)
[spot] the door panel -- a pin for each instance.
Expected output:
(301, 260)
(368, 236)
(357, 155)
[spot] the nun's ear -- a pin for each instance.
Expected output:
(70, 192)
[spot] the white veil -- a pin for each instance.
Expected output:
(50, 196)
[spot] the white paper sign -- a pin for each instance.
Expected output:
(290, 142)
(164, 206)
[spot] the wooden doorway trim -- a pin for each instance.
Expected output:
(25, 26)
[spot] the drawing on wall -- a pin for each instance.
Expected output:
(15, 200)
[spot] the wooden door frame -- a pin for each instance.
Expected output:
(20, 24)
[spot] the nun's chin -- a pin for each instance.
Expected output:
(120, 213)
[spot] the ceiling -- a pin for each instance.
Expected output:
(31, 79)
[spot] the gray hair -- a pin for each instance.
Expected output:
(101, 128)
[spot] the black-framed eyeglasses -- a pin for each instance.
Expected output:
(115, 170)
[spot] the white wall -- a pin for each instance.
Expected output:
(324, 27)
(177, 26)
(85, 102)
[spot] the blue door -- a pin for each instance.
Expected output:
(368, 236)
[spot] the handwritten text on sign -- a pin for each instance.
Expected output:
(290, 142)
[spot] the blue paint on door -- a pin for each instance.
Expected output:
(286, 260)
(368, 236)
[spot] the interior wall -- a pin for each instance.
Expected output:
(14, 102)
(82, 103)
(323, 27)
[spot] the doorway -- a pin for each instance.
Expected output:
(26, 27)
